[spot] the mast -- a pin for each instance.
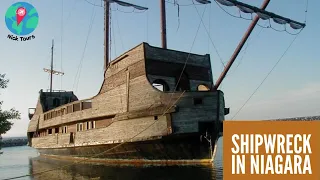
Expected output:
(106, 33)
(107, 23)
(51, 67)
(163, 24)
(51, 70)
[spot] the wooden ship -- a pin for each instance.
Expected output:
(130, 119)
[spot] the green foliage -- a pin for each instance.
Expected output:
(6, 115)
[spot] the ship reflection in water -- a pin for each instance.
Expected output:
(100, 171)
(17, 161)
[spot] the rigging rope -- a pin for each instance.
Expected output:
(176, 3)
(244, 52)
(306, 12)
(114, 38)
(185, 63)
(93, 4)
(265, 77)
(250, 19)
(77, 78)
(209, 28)
(214, 46)
(110, 40)
(184, 4)
(62, 9)
(147, 34)
(119, 32)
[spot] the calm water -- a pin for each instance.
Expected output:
(17, 161)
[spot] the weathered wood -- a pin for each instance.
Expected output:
(113, 132)
(176, 56)
(172, 69)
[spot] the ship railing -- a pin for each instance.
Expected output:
(48, 90)
(68, 108)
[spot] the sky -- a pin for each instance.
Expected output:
(291, 90)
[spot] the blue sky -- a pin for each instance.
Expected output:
(293, 89)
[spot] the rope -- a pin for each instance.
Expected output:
(93, 4)
(61, 47)
(250, 19)
(183, 4)
(116, 17)
(185, 63)
(265, 77)
(114, 38)
(244, 52)
(77, 78)
(214, 46)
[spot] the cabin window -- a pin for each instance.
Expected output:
(183, 82)
(49, 131)
(88, 124)
(161, 85)
(155, 117)
(56, 130)
(76, 107)
(93, 124)
(71, 138)
(80, 127)
(69, 109)
(197, 101)
(86, 105)
(64, 129)
(56, 102)
(203, 87)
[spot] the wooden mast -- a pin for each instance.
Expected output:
(163, 24)
(51, 67)
(107, 23)
(51, 70)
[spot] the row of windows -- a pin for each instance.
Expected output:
(69, 109)
(64, 129)
(86, 125)
(183, 85)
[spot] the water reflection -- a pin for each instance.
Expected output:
(101, 171)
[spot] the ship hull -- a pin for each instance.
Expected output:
(185, 148)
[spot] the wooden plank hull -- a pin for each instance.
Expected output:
(180, 148)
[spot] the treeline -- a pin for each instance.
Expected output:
(13, 142)
(305, 118)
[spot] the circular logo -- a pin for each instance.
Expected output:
(21, 18)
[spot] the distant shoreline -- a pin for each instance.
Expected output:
(14, 141)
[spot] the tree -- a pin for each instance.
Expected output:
(5, 116)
